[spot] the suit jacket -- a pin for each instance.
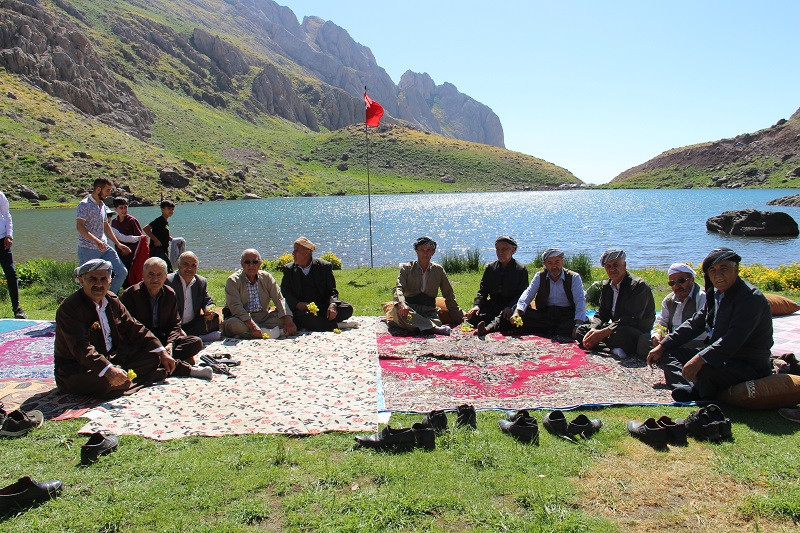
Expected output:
(409, 284)
(635, 305)
(502, 286)
(79, 337)
(320, 275)
(743, 329)
(199, 289)
(167, 325)
(237, 297)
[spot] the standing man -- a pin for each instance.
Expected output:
(6, 259)
(738, 320)
(558, 293)
(158, 231)
(502, 284)
(248, 293)
(94, 232)
(626, 311)
(308, 280)
(677, 307)
(194, 301)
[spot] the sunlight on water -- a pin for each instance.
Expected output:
(655, 227)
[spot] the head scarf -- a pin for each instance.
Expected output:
(92, 264)
(674, 268)
(552, 252)
(424, 241)
(612, 254)
(305, 243)
(506, 238)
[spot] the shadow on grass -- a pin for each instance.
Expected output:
(768, 422)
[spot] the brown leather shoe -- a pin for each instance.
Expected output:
(26, 492)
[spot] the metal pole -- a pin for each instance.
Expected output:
(369, 195)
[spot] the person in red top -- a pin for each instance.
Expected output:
(128, 230)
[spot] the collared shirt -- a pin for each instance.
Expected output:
(6, 224)
(106, 329)
(615, 289)
(424, 277)
(677, 317)
(94, 220)
(253, 299)
(558, 296)
(154, 307)
(718, 296)
(188, 309)
(306, 269)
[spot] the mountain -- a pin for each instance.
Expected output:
(766, 158)
(225, 98)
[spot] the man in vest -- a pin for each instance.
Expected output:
(686, 298)
(738, 320)
(558, 294)
(502, 284)
(626, 310)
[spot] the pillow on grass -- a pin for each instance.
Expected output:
(444, 314)
(781, 305)
(771, 392)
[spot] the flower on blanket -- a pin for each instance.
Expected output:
(466, 327)
(313, 309)
(265, 335)
(337, 330)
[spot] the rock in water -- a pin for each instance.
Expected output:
(753, 223)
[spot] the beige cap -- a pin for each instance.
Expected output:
(305, 243)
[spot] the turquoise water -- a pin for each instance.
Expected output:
(655, 227)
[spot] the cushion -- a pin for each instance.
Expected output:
(781, 305)
(771, 392)
(444, 314)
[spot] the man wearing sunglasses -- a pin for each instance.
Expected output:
(686, 298)
(248, 293)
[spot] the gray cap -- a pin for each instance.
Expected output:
(552, 252)
(92, 264)
(612, 254)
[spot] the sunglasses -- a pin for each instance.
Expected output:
(679, 281)
(251, 261)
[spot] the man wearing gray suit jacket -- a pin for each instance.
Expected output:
(194, 302)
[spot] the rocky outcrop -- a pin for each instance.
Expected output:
(753, 223)
(336, 108)
(793, 200)
(54, 55)
(273, 93)
(225, 56)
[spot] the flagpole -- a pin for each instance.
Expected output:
(369, 195)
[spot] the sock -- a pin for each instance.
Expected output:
(441, 330)
(201, 372)
(619, 352)
(273, 333)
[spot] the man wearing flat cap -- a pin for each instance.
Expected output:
(418, 284)
(97, 341)
(738, 320)
(310, 280)
(626, 310)
(501, 284)
(686, 298)
(558, 296)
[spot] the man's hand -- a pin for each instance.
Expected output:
(656, 339)
(7, 242)
(403, 309)
(167, 361)
(124, 250)
(101, 246)
(255, 331)
(156, 243)
(654, 356)
(469, 314)
(289, 328)
(332, 312)
(117, 377)
(507, 312)
(595, 337)
(692, 368)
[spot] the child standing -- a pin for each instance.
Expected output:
(158, 231)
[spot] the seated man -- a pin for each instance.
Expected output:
(501, 285)
(626, 310)
(248, 293)
(154, 305)
(415, 294)
(308, 280)
(738, 320)
(194, 302)
(98, 341)
(560, 302)
(677, 307)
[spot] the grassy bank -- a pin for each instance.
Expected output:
(473, 481)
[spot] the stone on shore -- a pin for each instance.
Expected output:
(753, 223)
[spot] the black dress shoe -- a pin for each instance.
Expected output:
(583, 426)
(97, 445)
(424, 436)
(19, 313)
(522, 413)
(708, 423)
(17, 423)
(26, 492)
(648, 432)
(436, 419)
(724, 423)
(556, 423)
(466, 416)
(389, 439)
(676, 431)
(524, 429)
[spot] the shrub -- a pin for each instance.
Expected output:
(784, 278)
(580, 263)
(453, 262)
(331, 258)
(3, 289)
(276, 264)
(30, 272)
(59, 280)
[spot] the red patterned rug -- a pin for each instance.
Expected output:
(420, 373)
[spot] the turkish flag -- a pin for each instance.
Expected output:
(374, 111)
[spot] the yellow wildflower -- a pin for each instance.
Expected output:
(265, 335)
(131, 374)
(337, 330)
(466, 327)
(516, 320)
(95, 326)
(313, 309)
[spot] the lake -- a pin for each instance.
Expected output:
(655, 227)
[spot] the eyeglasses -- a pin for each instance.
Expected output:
(679, 281)
(251, 261)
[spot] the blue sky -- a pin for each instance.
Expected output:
(594, 87)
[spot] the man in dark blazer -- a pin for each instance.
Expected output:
(154, 304)
(98, 341)
(626, 311)
(308, 280)
(194, 302)
(738, 320)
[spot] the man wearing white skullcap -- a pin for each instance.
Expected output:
(626, 309)
(686, 298)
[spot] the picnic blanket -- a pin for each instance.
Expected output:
(307, 384)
